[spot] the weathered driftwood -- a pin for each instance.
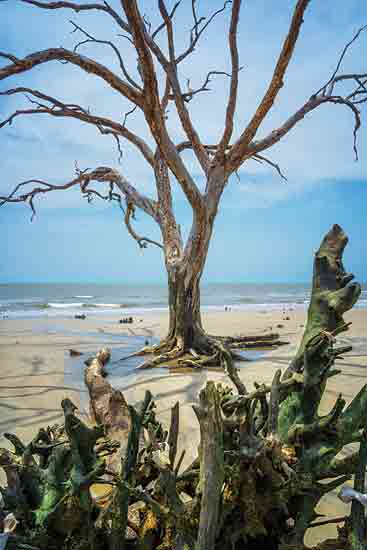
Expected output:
(265, 459)
(211, 455)
(48, 480)
(107, 406)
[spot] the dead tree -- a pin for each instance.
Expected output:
(153, 97)
(266, 457)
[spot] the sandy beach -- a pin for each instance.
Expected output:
(37, 372)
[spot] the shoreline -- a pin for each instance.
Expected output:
(35, 376)
(99, 311)
(105, 300)
(107, 313)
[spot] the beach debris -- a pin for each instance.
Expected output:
(82, 316)
(74, 352)
(107, 406)
(126, 320)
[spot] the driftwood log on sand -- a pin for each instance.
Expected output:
(265, 458)
(107, 406)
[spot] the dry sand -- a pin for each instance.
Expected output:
(35, 376)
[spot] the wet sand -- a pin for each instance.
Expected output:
(36, 372)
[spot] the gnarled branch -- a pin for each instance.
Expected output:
(60, 109)
(61, 54)
(154, 113)
(231, 106)
(199, 28)
(142, 241)
(83, 180)
(91, 39)
(106, 8)
(327, 94)
(275, 85)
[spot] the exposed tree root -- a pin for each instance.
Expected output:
(204, 351)
(199, 361)
(259, 338)
(163, 358)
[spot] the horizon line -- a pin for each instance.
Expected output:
(159, 283)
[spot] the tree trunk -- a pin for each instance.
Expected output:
(186, 341)
(184, 310)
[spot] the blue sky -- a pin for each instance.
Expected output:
(266, 230)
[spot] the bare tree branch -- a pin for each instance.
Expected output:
(165, 97)
(171, 70)
(93, 40)
(262, 159)
(169, 227)
(350, 100)
(188, 96)
(88, 65)
(128, 113)
(178, 95)
(151, 108)
(142, 241)
(231, 107)
(162, 25)
(60, 109)
(238, 151)
(196, 31)
(332, 79)
(83, 179)
(184, 145)
(105, 7)
(146, 65)
(154, 113)
(63, 113)
(328, 93)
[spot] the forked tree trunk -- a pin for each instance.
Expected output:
(184, 265)
(187, 343)
(184, 275)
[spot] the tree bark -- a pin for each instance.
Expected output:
(211, 453)
(184, 309)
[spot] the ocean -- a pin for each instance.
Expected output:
(69, 299)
